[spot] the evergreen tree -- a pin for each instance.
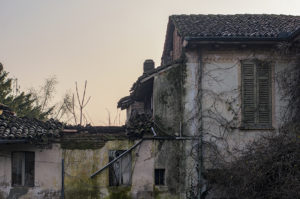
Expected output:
(21, 103)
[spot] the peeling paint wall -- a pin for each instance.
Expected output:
(177, 105)
(167, 99)
(143, 171)
(80, 164)
(191, 98)
(176, 113)
(47, 178)
(169, 155)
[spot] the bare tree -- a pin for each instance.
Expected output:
(113, 119)
(43, 96)
(78, 111)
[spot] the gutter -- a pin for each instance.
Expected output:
(7, 141)
(230, 39)
(62, 179)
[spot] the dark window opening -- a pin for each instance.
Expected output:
(159, 176)
(23, 169)
(120, 171)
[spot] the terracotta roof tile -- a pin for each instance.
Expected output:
(243, 26)
(13, 127)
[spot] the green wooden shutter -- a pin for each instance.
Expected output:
(248, 93)
(263, 78)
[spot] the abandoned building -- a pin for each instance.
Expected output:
(215, 90)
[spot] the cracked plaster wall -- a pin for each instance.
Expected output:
(47, 173)
(222, 94)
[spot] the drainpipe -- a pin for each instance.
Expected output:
(200, 140)
(62, 178)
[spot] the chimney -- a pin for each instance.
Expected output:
(148, 66)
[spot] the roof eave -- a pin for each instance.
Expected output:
(236, 39)
(12, 141)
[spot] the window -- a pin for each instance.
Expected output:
(120, 171)
(159, 176)
(22, 169)
(256, 95)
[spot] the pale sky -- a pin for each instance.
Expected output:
(102, 41)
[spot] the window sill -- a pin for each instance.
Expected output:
(22, 186)
(119, 186)
(161, 187)
(256, 127)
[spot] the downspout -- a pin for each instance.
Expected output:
(62, 178)
(200, 140)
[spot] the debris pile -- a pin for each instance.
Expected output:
(138, 125)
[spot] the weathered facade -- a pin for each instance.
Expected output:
(216, 90)
(49, 160)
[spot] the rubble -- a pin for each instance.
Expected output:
(138, 125)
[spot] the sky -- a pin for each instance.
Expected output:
(102, 41)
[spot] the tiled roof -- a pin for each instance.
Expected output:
(125, 102)
(23, 128)
(240, 26)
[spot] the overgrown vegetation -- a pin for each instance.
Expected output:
(38, 103)
(23, 104)
(268, 168)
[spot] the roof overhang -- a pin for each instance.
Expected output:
(11, 141)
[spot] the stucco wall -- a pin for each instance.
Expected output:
(212, 104)
(176, 113)
(80, 163)
(221, 98)
(47, 173)
(143, 171)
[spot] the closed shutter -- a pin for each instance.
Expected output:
(248, 93)
(264, 94)
(256, 95)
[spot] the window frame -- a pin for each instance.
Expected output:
(161, 181)
(121, 171)
(24, 172)
(256, 125)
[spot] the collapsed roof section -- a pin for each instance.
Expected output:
(143, 86)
